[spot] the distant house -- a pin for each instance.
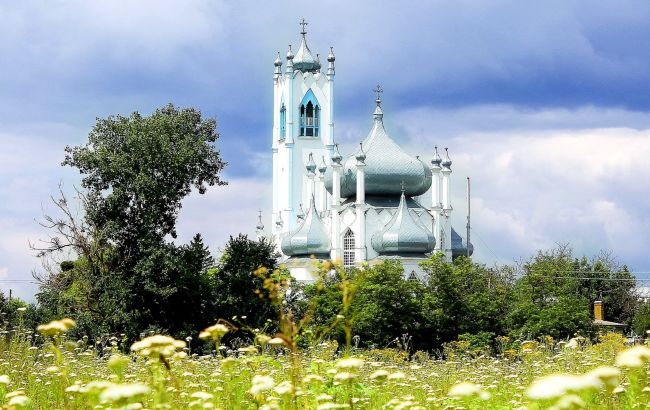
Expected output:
(602, 324)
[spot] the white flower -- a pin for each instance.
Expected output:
(608, 375)
(349, 363)
(121, 392)
(284, 388)
(633, 357)
(261, 384)
(157, 345)
(557, 385)
(379, 375)
(467, 389)
(201, 395)
(4, 379)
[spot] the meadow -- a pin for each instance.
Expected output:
(51, 371)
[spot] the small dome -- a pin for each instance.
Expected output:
(311, 165)
(436, 157)
(310, 238)
(323, 166)
(446, 163)
(290, 53)
(260, 225)
(387, 166)
(277, 61)
(336, 157)
(330, 56)
(304, 60)
(361, 156)
(459, 245)
(403, 235)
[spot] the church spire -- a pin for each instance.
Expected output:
(378, 114)
(304, 60)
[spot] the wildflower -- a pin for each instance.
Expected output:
(570, 401)
(56, 327)
(118, 393)
(19, 402)
(634, 357)
(284, 388)
(214, 332)
(349, 363)
(260, 384)
(4, 379)
(263, 339)
(557, 385)
(379, 375)
(606, 374)
(276, 341)
(157, 345)
(248, 349)
(330, 406)
(21, 309)
(397, 376)
(618, 390)
(313, 378)
(467, 389)
(201, 395)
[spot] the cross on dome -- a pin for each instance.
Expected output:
(378, 90)
(303, 23)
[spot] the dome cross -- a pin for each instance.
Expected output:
(378, 90)
(303, 23)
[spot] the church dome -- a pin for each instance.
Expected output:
(403, 235)
(387, 166)
(304, 60)
(310, 238)
(459, 245)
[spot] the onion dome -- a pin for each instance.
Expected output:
(301, 214)
(279, 222)
(386, 166)
(436, 161)
(330, 56)
(446, 163)
(360, 156)
(290, 53)
(304, 60)
(459, 245)
(277, 61)
(403, 235)
(310, 238)
(336, 157)
(311, 165)
(323, 166)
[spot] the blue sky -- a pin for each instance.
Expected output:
(546, 105)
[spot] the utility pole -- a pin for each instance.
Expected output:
(468, 214)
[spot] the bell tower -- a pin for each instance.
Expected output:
(303, 132)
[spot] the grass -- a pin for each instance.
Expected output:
(162, 374)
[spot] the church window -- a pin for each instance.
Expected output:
(283, 122)
(348, 249)
(309, 115)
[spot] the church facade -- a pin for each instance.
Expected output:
(375, 204)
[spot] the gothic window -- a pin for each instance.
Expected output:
(283, 122)
(348, 249)
(309, 115)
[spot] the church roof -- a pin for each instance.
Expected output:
(304, 60)
(387, 166)
(402, 234)
(310, 238)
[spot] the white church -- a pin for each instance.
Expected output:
(376, 204)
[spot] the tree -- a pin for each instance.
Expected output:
(238, 291)
(136, 171)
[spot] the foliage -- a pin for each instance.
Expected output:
(128, 277)
(552, 297)
(238, 291)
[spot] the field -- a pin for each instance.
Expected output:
(163, 373)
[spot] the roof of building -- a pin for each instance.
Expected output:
(303, 60)
(599, 322)
(402, 234)
(387, 166)
(459, 245)
(311, 237)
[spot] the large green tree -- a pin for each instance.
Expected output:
(129, 274)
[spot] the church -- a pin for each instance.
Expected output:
(374, 204)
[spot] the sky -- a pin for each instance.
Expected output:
(545, 105)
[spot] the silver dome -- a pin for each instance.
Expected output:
(387, 166)
(311, 237)
(403, 235)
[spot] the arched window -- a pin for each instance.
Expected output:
(283, 122)
(348, 249)
(309, 115)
